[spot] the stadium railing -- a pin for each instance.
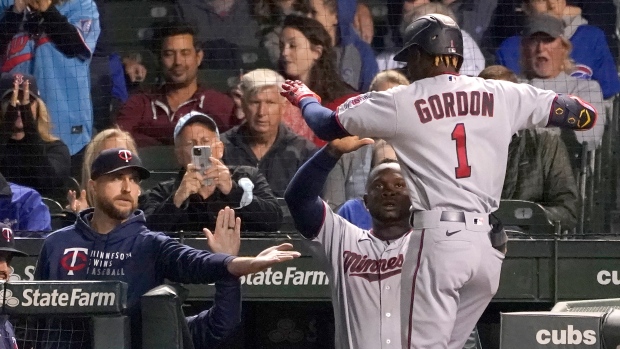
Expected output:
(67, 314)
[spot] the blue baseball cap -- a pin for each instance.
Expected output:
(116, 159)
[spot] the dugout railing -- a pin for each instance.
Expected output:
(67, 314)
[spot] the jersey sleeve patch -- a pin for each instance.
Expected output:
(353, 102)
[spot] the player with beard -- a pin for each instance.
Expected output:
(364, 266)
(150, 117)
(111, 242)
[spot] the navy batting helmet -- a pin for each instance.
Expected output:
(435, 34)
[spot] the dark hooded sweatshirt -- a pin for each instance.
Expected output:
(129, 253)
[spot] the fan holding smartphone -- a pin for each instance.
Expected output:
(206, 185)
(201, 161)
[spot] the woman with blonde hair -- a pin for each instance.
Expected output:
(30, 155)
(106, 139)
(546, 64)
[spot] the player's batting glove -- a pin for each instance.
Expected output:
(296, 90)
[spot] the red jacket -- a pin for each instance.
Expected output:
(150, 121)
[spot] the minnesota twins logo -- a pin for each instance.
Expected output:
(74, 259)
(125, 155)
(7, 234)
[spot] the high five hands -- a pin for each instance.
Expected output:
(227, 239)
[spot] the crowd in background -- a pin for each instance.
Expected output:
(67, 93)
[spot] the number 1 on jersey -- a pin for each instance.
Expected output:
(458, 135)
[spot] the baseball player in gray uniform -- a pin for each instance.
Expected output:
(364, 267)
(451, 135)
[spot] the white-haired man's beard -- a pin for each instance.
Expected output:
(107, 206)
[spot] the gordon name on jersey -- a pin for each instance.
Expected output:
(452, 104)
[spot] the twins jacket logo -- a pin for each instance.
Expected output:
(74, 259)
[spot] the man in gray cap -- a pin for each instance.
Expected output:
(192, 200)
(7, 252)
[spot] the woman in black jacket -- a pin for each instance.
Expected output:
(30, 155)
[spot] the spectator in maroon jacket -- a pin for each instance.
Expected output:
(150, 117)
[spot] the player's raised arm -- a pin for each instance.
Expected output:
(372, 114)
(572, 112)
(303, 192)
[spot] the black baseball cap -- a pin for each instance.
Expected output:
(116, 159)
(6, 84)
(7, 241)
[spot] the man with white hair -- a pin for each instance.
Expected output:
(263, 141)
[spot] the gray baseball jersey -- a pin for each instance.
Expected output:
(451, 135)
(365, 275)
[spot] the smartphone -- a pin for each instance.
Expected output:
(200, 159)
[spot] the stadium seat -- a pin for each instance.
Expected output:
(220, 79)
(156, 178)
(72, 184)
(288, 225)
(159, 158)
(60, 218)
(254, 58)
(163, 320)
(54, 206)
(136, 21)
(520, 213)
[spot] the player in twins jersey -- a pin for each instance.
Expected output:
(451, 136)
(364, 267)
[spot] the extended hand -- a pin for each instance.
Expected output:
(296, 90)
(270, 256)
(337, 147)
(227, 237)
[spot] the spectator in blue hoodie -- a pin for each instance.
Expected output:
(22, 208)
(111, 242)
(356, 59)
